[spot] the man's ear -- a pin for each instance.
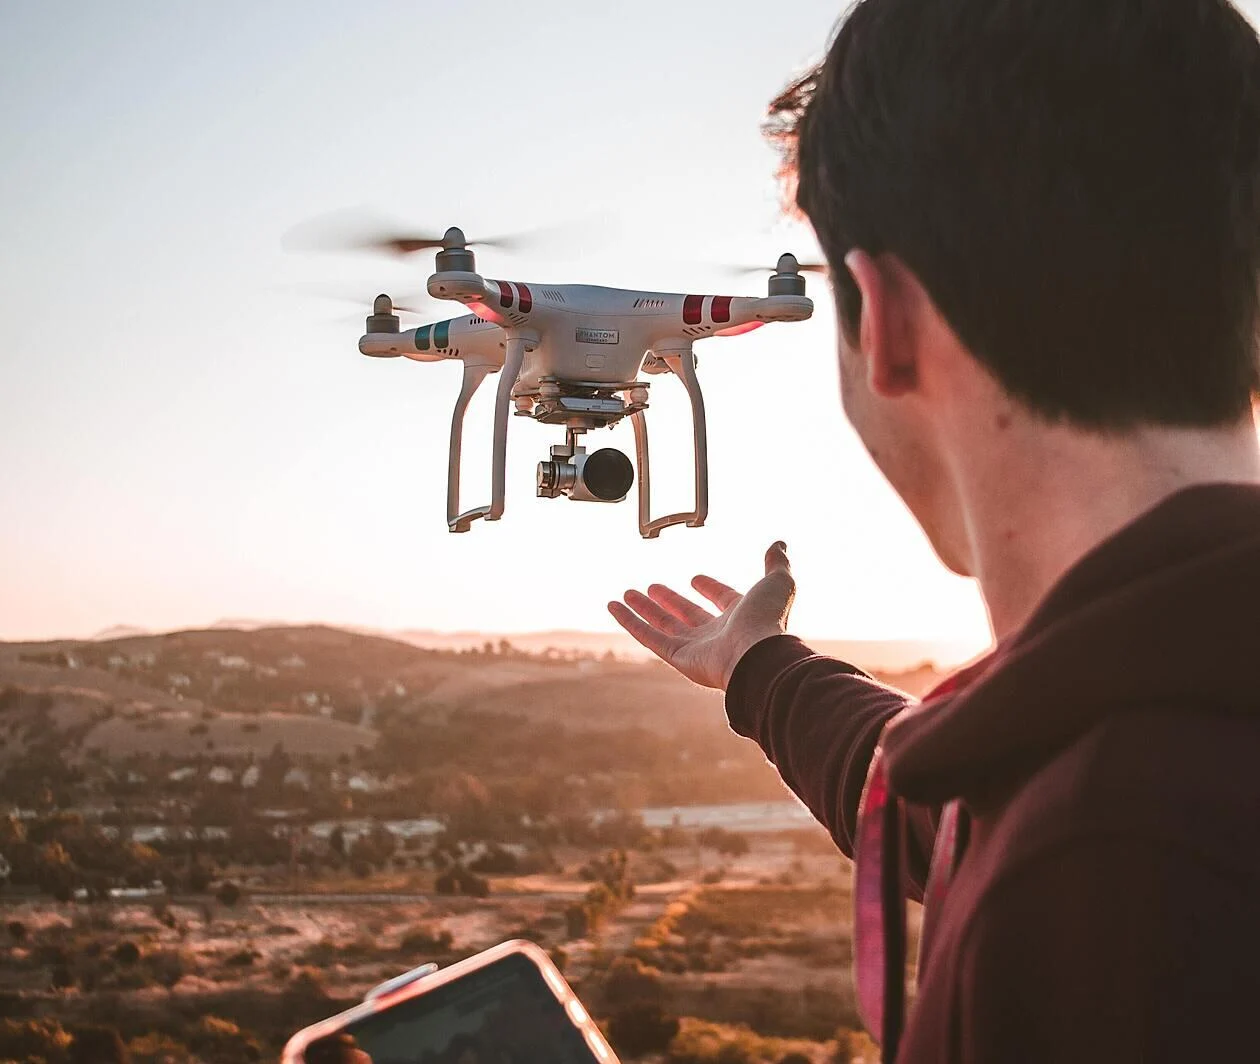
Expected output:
(885, 336)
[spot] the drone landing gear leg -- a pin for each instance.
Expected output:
(455, 521)
(473, 376)
(682, 363)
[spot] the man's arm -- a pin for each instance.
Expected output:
(815, 718)
(818, 720)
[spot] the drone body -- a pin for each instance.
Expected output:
(572, 355)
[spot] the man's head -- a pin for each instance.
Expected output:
(1032, 209)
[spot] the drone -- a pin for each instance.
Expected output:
(572, 356)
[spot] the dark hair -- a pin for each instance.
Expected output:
(1076, 183)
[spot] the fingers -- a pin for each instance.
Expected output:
(683, 608)
(715, 591)
(777, 559)
(653, 614)
(659, 643)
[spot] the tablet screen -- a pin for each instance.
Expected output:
(504, 1013)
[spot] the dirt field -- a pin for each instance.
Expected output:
(762, 940)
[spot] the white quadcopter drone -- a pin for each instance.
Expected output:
(572, 355)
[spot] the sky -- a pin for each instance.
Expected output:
(188, 434)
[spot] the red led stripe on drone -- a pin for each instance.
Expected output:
(739, 330)
(721, 309)
(505, 293)
(693, 307)
(527, 300)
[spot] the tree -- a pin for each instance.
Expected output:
(577, 922)
(55, 872)
(728, 843)
(198, 878)
(337, 841)
(464, 803)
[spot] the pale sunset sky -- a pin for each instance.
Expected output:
(185, 439)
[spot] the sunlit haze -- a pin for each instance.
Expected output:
(187, 436)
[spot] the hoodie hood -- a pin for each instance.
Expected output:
(1162, 614)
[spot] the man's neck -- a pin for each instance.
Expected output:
(1062, 492)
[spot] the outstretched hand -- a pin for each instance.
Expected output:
(703, 646)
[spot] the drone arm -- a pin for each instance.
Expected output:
(682, 363)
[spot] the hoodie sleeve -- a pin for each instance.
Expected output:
(818, 720)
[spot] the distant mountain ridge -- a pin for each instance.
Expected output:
(886, 655)
(324, 691)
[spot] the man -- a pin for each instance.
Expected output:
(1043, 226)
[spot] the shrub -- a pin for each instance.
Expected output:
(98, 1045)
(425, 941)
(223, 1042)
(307, 989)
(630, 982)
(228, 894)
(127, 953)
(17, 930)
(198, 879)
(497, 861)
(458, 880)
(728, 843)
(577, 921)
(700, 1042)
(166, 967)
(33, 1039)
(158, 1049)
(854, 1046)
(642, 1027)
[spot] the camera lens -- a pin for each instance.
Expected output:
(608, 474)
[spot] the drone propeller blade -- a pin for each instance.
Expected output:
(420, 308)
(360, 231)
(416, 303)
(802, 267)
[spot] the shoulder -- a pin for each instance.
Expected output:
(1181, 780)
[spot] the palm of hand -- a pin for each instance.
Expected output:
(703, 646)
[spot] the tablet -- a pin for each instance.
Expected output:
(508, 1005)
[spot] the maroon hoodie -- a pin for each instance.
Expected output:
(1105, 903)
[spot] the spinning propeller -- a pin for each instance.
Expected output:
(360, 231)
(788, 263)
(417, 303)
